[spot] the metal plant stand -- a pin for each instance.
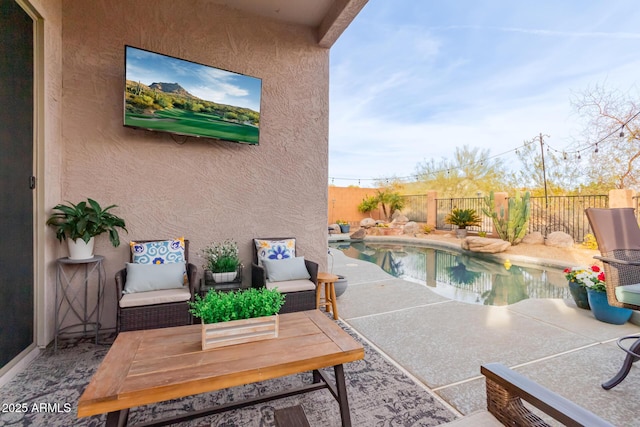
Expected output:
(74, 297)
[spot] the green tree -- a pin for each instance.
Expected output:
(230, 115)
(368, 204)
(562, 175)
(471, 170)
(390, 200)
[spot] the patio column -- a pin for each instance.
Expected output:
(432, 208)
(622, 198)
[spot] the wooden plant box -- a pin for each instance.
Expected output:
(239, 331)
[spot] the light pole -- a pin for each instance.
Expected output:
(544, 172)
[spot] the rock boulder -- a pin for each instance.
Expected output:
(535, 238)
(359, 234)
(367, 223)
(411, 228)
(484, 245)
(334, 229)
(559, 239)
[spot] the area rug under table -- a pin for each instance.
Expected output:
(379, 395)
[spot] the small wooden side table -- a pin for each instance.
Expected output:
(327, 281)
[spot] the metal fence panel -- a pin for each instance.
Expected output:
(415, 207)
(564, 213)
(445, 206)
(555, 213)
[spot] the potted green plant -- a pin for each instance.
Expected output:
(235, 317)
(344, 226)
(221, 260)
(463, 218)
(78, 224)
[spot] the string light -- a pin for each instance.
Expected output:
(516, 150)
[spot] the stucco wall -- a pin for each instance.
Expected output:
(203, 190)
(343, 204)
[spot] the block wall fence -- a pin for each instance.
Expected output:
(343, 203)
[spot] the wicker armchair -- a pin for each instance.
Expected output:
(618, 237)
(296, 300)
(506, 389)
(161, 315)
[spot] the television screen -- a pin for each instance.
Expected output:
(167, 94)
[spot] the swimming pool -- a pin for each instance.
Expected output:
(471, 278)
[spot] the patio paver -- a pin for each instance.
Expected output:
(443, 343)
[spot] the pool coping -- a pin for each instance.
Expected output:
(426, 242)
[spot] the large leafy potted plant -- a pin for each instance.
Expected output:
(463, 218)
(239, 316)
(222, 261)
(78, 224)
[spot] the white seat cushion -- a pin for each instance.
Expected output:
(155, 297)
(292, 285)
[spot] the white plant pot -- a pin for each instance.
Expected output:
(224, 277)
(78, 249)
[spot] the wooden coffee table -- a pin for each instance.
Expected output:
(149, 366)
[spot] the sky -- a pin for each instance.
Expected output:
(205, 82)
(412, 80)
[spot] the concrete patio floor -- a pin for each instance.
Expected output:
(442, 343)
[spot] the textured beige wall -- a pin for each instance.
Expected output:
(204, 190)
(343, 204)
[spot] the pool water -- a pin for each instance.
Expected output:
(471, 278)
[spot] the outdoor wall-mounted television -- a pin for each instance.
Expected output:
(168, 94)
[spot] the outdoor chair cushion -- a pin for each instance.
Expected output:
(292, 286)
(286, 269)
(629, 294)
(153, 277)
(155, 297)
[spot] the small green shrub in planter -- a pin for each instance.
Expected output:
(219, 306)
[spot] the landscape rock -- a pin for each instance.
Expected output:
(535, 238)
(559, 239)
(367, 223)
(484, 245)
(411, 227)
(359, 234)
(399, 218)
(334, 229)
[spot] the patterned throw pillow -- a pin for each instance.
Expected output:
(275, 249)
(161, 252)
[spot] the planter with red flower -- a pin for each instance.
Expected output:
(578, 278)
(592, 279)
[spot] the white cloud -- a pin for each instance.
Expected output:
(405, 88)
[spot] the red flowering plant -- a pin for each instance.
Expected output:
(590, 277)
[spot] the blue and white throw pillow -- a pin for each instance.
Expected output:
(160, 252)
(275, 249)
